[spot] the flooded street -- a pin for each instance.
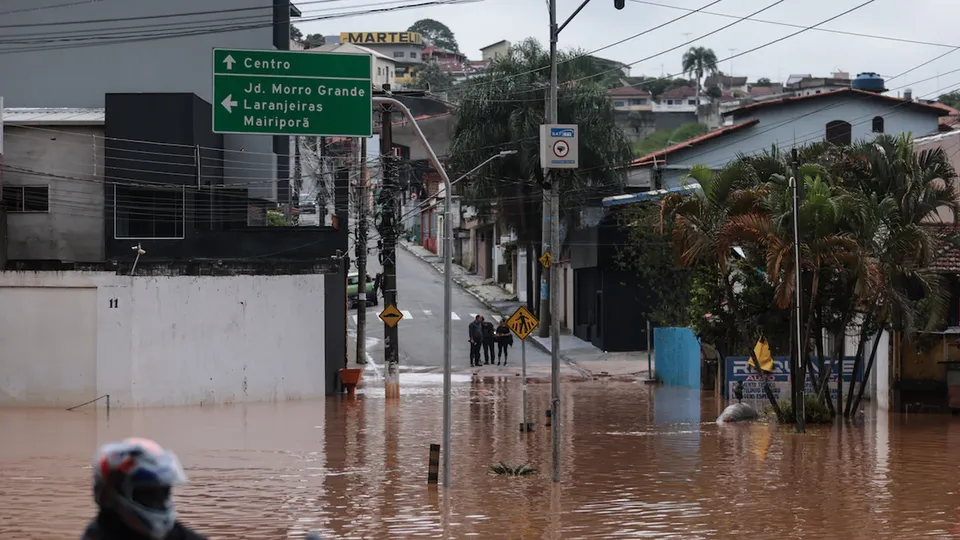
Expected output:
(638, 462)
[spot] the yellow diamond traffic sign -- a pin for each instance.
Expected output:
(546, 259)
(522, 322)
(391, 315)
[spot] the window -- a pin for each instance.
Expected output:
(148, 212)
(398, 54)
(379, 70)
(618, 104)
(638, 102)
(669, 102)
(838, 132)
(878, 124)
(26, 198)
(413, 54)
(691, 102)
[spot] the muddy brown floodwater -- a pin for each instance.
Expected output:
(638, 462)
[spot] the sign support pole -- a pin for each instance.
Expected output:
(523, 372)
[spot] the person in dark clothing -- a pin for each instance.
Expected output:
(132, 484)
(378, 285)
(488, 341)
(504, 339)
(475, 331)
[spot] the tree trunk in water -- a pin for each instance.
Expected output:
(866, 374)
(766, 386)
(858, 359)
(821, 362)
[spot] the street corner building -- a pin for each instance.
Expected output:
(147, 256)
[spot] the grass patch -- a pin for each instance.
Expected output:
(504, 469)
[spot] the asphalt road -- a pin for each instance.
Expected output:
(420, 299)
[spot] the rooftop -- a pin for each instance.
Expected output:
(843, 92)
(492, 45)
(680, 92)
(626, 91)
(351, 48)
(45, 116)
(659, 156)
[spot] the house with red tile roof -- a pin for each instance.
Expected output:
(630, 98)
(841, 116)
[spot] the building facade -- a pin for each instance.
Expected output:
(405, 48)
(841, 117)
(81, 76)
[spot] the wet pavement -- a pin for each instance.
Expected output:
(638, 462)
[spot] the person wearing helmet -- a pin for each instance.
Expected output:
(132, 483)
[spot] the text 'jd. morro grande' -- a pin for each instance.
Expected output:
(269, 104)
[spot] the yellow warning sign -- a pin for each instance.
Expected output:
(522, 322)
(391, 315)
(546, 259)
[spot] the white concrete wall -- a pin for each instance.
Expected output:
(153, 341)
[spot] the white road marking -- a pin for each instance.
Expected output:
(496, 317)
(355, 319)
(473, 315)
(406, 314)
(454, 316)
(427, 312)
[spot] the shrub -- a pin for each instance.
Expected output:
(504, 469)
(816, 412)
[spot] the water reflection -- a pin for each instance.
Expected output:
(638, 461)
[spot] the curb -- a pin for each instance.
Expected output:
(439, 269)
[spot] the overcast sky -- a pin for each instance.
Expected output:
(484, 22)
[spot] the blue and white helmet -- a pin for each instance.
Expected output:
(133, 478)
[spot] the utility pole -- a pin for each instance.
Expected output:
(797, 369)
(549, 300)
(547, 314)
(361, 254)
(388, 231)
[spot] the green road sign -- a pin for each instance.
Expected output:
(292, 93)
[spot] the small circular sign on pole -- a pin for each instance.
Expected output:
(561, 149)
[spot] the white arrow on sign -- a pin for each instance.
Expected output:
(229, 61)
(228, 103)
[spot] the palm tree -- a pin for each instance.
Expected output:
(504, 110)
(699, 61)
(699, 224)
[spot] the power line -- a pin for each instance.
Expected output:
(791, 25)
(233, 28)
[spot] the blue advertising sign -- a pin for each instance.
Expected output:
(739, 370)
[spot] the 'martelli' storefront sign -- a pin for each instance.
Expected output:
(381, 38)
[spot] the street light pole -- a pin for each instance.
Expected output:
(447, 271)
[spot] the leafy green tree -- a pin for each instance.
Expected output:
(503, 110)
(296, 34)
(431, 77)
(699, 61)
(314, 40)
(951, 99)
(437, 33)
(664, 285)
(763, 81)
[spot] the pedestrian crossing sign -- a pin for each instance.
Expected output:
(391, 315)
(522, 322)
(546, 259)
